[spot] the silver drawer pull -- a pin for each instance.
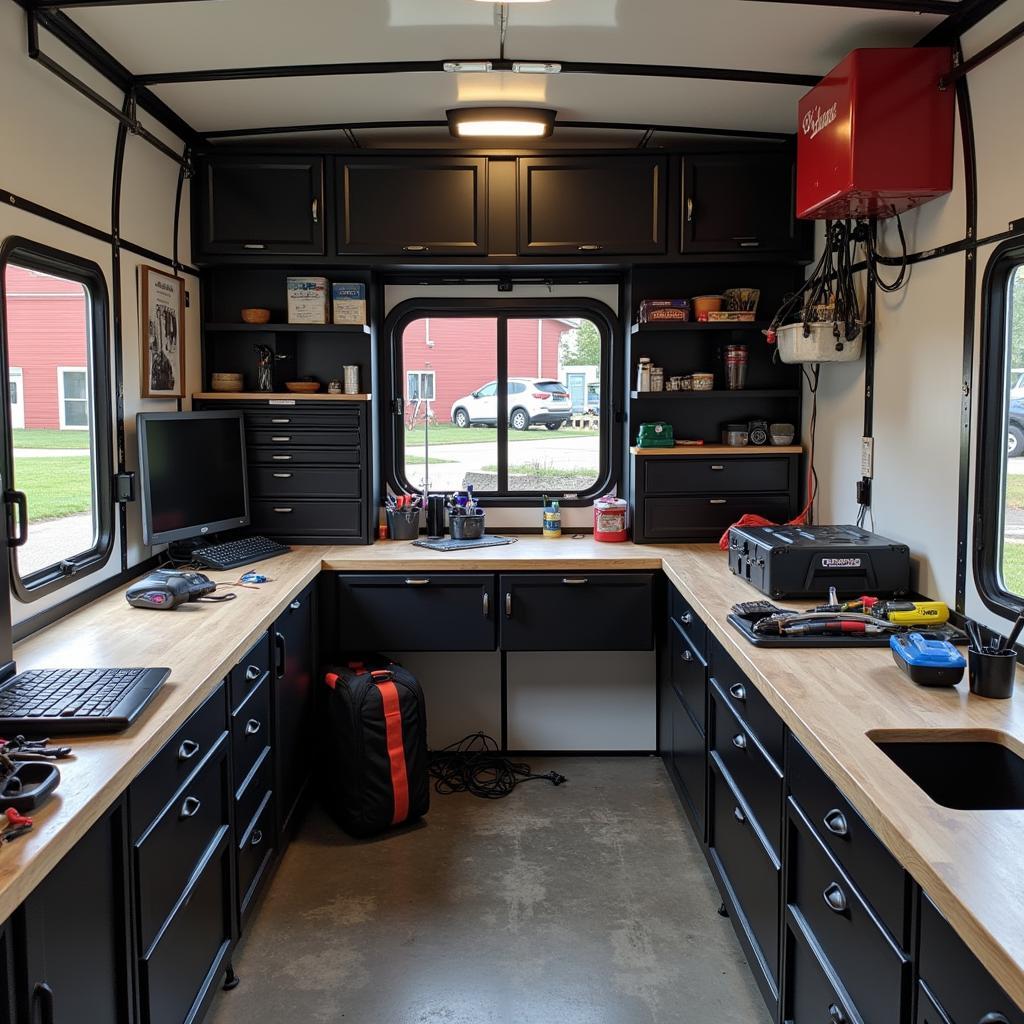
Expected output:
(253, 672)
(412, 582)
(254, 245)
(687, 656)
(575, 581)
(716, 501)
(508, 605)
(281, 419)
(739, 691)
(588, 247)
(686, 618)
(252, 727)
(190, 807)
(188, 750)
(416, 248)
(284, 511)
(281, 439)
(281, 458)
(836, 1016)
(739, 741)
(835, 898)
(717, 469)
(283, 476)
(487, 604)
(739, 815)
(256, 838)
(994, 1018)
(835, 822)
(295, 605)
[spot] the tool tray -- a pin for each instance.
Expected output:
(746, 628)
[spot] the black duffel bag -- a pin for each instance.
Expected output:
(374, 767)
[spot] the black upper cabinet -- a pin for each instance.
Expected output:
(591, 205)
(262, 205)
(739, 202)
(431, 206)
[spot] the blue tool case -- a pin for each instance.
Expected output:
(928, 661)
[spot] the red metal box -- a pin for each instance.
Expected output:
(875, 136)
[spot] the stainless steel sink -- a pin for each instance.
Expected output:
(968, 770)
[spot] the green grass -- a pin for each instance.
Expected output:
(448, 433)
(1013, 567)
(418, 460)
(56, 487)
(1015, 491)
(534, 469)
(50, 438)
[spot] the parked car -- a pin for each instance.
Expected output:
(1015, 429)
(1017, 384)
(531, 400)
(594, 399)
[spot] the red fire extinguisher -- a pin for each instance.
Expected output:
(610, 520)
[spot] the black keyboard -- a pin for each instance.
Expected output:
(238, 552)
(64, 700)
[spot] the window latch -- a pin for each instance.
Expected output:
(124, 487)
(19, 500)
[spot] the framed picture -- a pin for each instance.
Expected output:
(162, 331)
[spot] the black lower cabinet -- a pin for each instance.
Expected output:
(813, 993)
(687, 758)
(7, 975)
(74, 933)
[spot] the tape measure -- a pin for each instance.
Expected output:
(912, 613)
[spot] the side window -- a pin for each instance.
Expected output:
(58, 450)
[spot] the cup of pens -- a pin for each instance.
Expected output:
(403, 517)
(465, 517)
(992, 666)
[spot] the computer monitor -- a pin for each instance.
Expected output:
(192, 469)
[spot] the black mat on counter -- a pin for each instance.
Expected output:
(448, 544)
(745, 627)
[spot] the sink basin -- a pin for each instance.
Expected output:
(967, 771)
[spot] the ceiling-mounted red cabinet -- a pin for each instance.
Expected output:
(875, 136)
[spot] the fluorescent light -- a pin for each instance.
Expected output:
(531, 67)
(467, 67)
(501, 122)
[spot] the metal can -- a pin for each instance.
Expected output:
(610, 520)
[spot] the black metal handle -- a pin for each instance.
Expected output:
(252, 727)
(19, 499)
(739, 815)
(994, 1018)
(282, 650)
(835, 822)
(835, 898)
(739, 741)
(256, 838)
(42, 994)
(739, 691)
(836, 1015)
(190, 807)
(188, 750)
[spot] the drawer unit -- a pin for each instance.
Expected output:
(277, 456)
(873, 969)
(287, 437)
(294, 418)
(860, 853)
(705, 517)
(688, 759)
(577, 612)
(960, 985)
(421, 612)
(812, 990)
(688, 673)
(749, 875)
(722, 475)
(176, 761)
(168, 852)
(748, 703)
(297, 518)
(305, 481)
(255, 851)
(177, 975)
(250, 730)
(755, 775)
(689, 622)
(244, 677)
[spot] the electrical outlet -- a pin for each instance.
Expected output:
(867, 457)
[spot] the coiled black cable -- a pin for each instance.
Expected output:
(473, 765)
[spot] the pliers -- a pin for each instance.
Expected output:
(15, 826)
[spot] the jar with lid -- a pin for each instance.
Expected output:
(643, 374)
(657, 378)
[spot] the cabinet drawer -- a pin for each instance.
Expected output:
(250, 730)
(178, 758)
(689, 675)
(285, 516)
(811, 996)
(757, 778)
(873, 969)
(174, 976)
(928, 1011)
(577, 612)
(255, 851)
(420, 612)
(750, 873)
(287, 437)
(683, 615)
(254, 665)
(708, 516)
(687, 757)
(306, 482)
(169, 852)
(858, 850)
(250, 791)
(747, 703)
(959, 983)
(340, 418)
(286, 455)
(764, 473)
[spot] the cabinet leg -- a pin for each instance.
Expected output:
(231, 979)
(723, 911)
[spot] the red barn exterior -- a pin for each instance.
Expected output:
(461, 353)
(47, 321)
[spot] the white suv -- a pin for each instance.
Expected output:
(530, 400)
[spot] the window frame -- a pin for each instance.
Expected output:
(993, 415)
(62, 412)
(611, 413)
(46, 260)
(420, 374)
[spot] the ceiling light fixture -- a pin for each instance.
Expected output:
(467, 67)
(501, 122)
(534, 67)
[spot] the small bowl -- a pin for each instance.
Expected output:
(255, 315)
(226, 382)
(707, 304)
(303, 387)
(782, 434)
(703, 382)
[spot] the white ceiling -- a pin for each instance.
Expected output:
(206, 34)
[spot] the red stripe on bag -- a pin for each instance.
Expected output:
(396, 748)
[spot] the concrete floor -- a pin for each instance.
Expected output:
(586, 904)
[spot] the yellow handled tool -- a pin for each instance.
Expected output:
(912, 613)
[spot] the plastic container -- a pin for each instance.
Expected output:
(610, 520)
(552, 522)
(467, 527)
(707, 304)
(821, 346)
(991, 675)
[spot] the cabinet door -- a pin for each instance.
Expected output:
(688, 758)
(251, 206)
(76, 932)
(738, 203)
(7, 982)
(400, 207)
(600, 205)
(293, 699)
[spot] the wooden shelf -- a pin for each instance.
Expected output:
(718, 450)
(675, 326)
(277, 396)
(745, 393)
(360, 329)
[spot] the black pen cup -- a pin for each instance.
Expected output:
(991, 675)
(404, 523)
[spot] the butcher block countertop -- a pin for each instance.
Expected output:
(968, 862)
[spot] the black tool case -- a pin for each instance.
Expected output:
(805, 561)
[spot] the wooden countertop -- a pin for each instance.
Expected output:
(967, 861)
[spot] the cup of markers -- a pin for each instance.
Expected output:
(466, 518)
(403, 514)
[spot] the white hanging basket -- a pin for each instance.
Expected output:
(821, 346)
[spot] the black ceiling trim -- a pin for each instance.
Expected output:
(52, 5)
(966, 16)
(943, 7)
(437, 66)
